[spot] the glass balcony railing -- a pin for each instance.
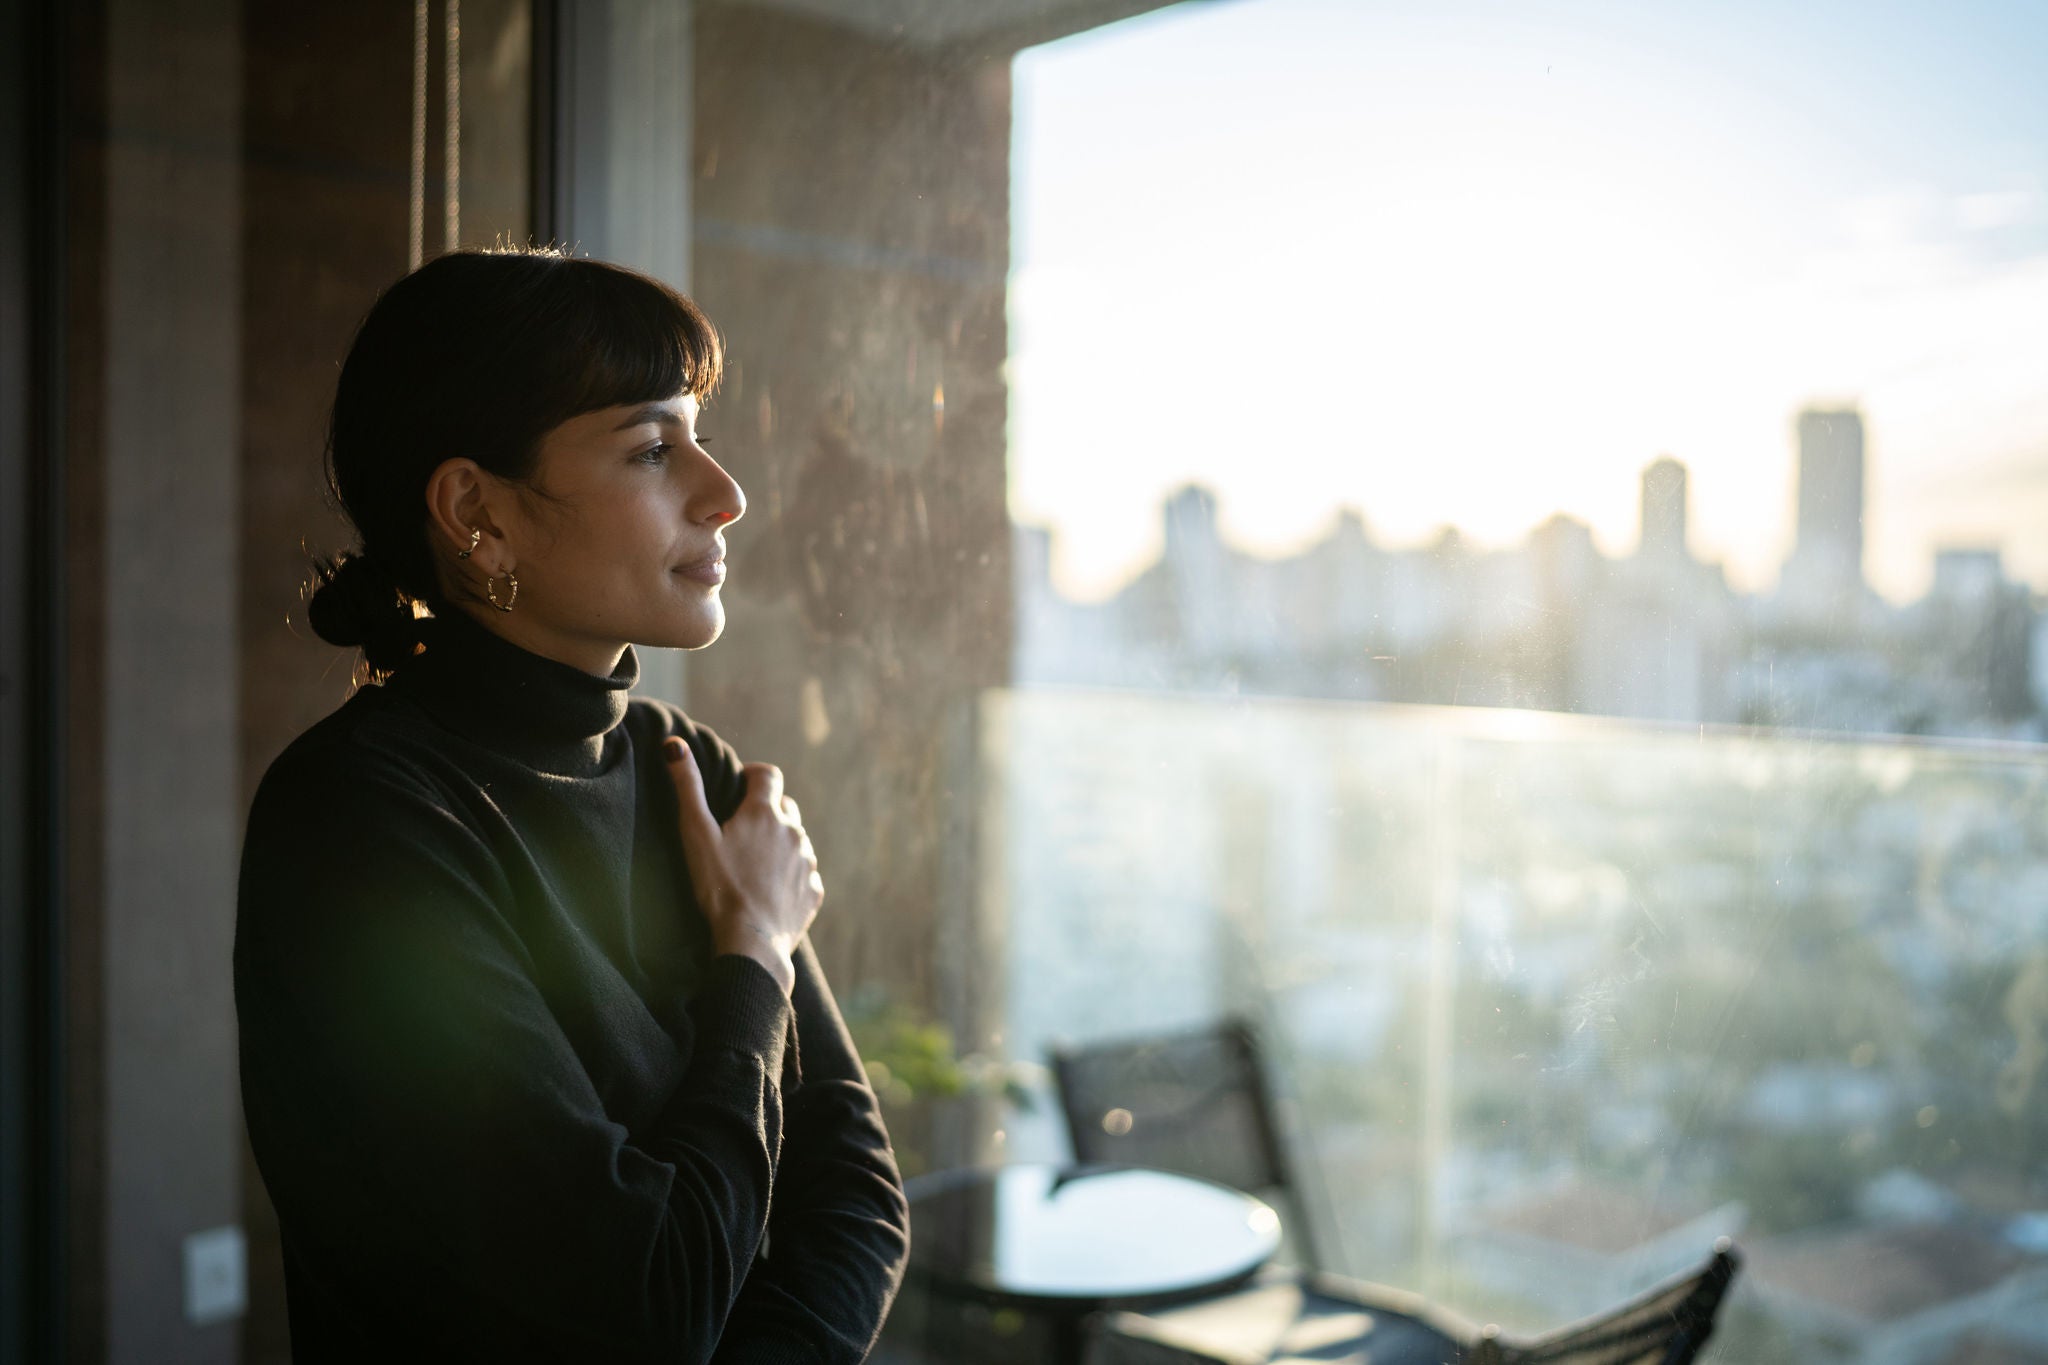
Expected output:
(1553, 1002)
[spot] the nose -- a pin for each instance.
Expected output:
(718, 498)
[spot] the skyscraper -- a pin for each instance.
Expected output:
(1664, 510)
(1829, 552)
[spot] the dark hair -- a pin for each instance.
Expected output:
(479, 354)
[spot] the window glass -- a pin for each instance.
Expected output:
(1527, 550)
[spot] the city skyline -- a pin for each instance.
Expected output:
(1554, 623)
(1662, 488)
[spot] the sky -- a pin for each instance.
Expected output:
(1474, 262)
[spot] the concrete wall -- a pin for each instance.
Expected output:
(852, 241)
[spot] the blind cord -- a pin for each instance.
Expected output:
(416, 224)
(452, 57)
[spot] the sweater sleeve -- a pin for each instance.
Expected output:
(411, 1097)
(839, 1231)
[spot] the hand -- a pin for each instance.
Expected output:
(756, 876)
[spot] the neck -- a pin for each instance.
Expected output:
(597, 657)
(547, 713)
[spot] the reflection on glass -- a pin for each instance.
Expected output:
(1556, 1002)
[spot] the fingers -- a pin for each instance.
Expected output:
(764, 783)
(699, 827)
(814, 885)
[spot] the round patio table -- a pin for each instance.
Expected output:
(1064, 1242)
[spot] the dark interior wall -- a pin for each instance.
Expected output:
(323, 228)
(33, 117)
(84, 558)
(851, 221)
(150, 803)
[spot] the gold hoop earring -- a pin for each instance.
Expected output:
(491, 591)
(474, 536)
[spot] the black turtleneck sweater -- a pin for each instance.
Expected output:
(508, 1103)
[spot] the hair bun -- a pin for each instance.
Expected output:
(355, 602)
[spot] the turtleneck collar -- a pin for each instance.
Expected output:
(549, 715)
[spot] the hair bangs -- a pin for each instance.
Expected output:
(632, 339)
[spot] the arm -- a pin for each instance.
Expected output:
(840, 1229)
(411, 1097)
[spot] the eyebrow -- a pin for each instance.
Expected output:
(650, 412)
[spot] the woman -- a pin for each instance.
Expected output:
(530, 1027)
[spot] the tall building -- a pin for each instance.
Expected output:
(1196, 574)
(1829, 551)
(1664, 510)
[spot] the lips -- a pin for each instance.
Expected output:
(709, 570)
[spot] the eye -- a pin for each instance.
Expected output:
(702, 440)
(655, 455)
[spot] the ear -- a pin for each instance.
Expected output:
(459, 500)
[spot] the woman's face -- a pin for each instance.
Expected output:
(622, 543)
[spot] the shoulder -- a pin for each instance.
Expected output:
(357, 816)
(650, 721)
(370, 776)
(374, 739)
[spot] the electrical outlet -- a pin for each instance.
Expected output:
(216, 1275)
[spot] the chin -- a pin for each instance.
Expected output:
(695, 634)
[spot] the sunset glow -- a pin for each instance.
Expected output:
(1449, 267)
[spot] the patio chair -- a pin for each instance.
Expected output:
(1667, 1324)
(1331, 1321)
(1194, 1102)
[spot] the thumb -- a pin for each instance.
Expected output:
(700, 829)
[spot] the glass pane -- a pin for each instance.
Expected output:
(1495, 535)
